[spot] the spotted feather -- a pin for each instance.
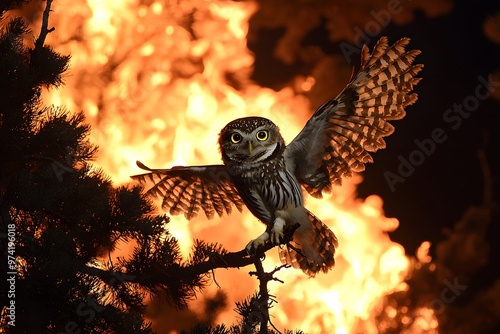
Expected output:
(338, 138)
(189, 189)
(323, 242)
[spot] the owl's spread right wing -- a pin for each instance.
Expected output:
(336, 140)
(189, 189)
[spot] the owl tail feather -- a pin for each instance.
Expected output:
(312, 249)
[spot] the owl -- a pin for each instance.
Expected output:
(269, 176)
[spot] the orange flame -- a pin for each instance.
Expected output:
(153, 82)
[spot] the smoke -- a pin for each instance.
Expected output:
(491, 28)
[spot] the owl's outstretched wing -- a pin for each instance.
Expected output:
(189, 189)
(336, 140)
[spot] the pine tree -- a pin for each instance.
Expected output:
(61, 218)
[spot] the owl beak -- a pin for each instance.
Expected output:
(250, 148)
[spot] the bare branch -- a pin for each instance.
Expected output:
(263, 295)
(265, 299)
(45, 23)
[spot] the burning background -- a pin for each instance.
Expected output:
(157, 80)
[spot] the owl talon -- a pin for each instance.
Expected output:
(254, 244)
(277, 231)
(276, 237)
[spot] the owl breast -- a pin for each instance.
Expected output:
(266, 187)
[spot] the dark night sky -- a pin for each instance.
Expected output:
(455, 53)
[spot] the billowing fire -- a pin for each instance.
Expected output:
(158, 80)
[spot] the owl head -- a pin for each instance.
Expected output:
(250, 140)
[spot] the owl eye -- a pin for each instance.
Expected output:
(236, 138)
(262, 135)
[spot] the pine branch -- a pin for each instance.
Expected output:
(45, 23)
(12, 4)
(234, 259)
(229, 260)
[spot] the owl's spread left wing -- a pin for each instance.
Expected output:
(189, 189)
(336, 140)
